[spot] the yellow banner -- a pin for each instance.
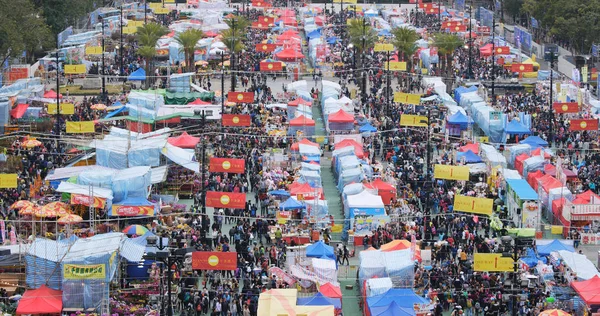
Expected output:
(93, 50)
(473, 205)
(80, 127)
(346, 1)
(383, 47)
(169, 1)
(8, 180)
(65, 108)
(283, 216)
(424, 71)
(155, 5)
(135, 23)
(337, 228)
(129, 29)
(556, 230)
(492, 262)
(413, 120)
(75, 69)
(162, 11)
(397, 65)
(451, 172)
(84, 271)
(407, 98)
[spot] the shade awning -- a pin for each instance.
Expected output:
(42, 300)
(19, 110)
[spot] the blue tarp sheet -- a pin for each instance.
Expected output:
(555, 245)
(138, 75)
(116, 112)
(516, 128)
(319, 300)
(404, 298)
(469, 157)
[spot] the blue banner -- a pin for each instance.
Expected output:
(498, 5)
(594, 50)
(534, 23)
(486, 17)
(460, 5)
(62, 36)
(522, 39)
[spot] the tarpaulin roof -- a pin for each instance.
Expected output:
(19, 110)
(320, 250)
(302, 121)
(405, 298)
(289, 53)
(51, 94)
(320, 300)
(515, 127)
(549, 182)
(380, 185)
(358, 148)
(304, 141)
(341, 117)
(42, 300)
(522, 189)
(469, 156)
(291, 204)
(395, 245)
(472, 147)
(138, 75)
(184, 140)
(589, 290)
(532, 178)
(555, 245)
(393, 309)
(534, 141)
(199, 102)
(459, 118)
(538, 152)
(330, 290)
(299, 101)
(367, 128)
(587, 196)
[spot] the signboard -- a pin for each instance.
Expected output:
(397, 65)
(407, 98)
(265, 48)
(81, 127)
(236, 120)
(162, 10)
(129, 29)
(449, 172)
(18, 72)
(283, 216)
(495, 115)
(75, 69)
(413, 120)
(81, 199)
(65, 108)
(226, 200)
(383, 47)
(565, 107)
(8, 180)
(475, 205)
(212, 260)
(132, 210)
(271, 66)
(240, 97)
(93, 50)
(492, 262)
(583, 125)
(84, 271)
(584, 74)
(521, 67)
(531, 214)
(227, 165)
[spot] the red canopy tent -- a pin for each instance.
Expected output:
(289, 34)
(285, 12)
(288, 20)
(549, 182)
(306, 190)
(589, 290)
(51, 94)
(581, 201)
(486, 50)
(42, 300)
(588, 195)
(19, 110)
(533, 177)
(299, 101)
(358, 148)
(319, 20)
(302, 121)
(289, 54)
(330, 290)
(538, 152)
(341, 117)
(304, 141)
(550, 169)
(199, 102)
(519, 162)
(384, 189)
(472, 147)
(184, 140)
(211, 34)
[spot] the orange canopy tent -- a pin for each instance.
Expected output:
(299, 101)
(302, 121)
(395, 245)
(304, 141)
(42, 300)
(341, 117)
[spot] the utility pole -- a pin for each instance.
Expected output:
(439, 13)
(203, 194)
(145, 12)
(362, 63)
(470, 40)
(389, 84)
(104, 94)
(514, 281)
(417, 13)
(121, 44)
(493, 59)
(553, 55)
(57, 96)
(232, 62)
(222, 93)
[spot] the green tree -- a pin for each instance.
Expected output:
(188, 41)
(362, 35)
(446, 43)
(147, 37)
(23, 28)
(61, 14)
(233, 38)
(405, 42)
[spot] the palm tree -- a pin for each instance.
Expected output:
(404, 41)
(362, 35)
(446, 43)
(188, 41)
(147, 37)
(233, 40)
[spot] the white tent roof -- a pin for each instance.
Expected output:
(310, 150)
(66, 187)
(365, 199)
(331, 84)
(580, 264)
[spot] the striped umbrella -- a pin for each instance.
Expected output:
(60, 208)
(21, 204)
(30, 143)
(135, 230)
(98, 106)
(28, 211)
(45, 213)
(554, 312)
(70, 219)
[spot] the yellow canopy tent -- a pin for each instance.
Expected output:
(283, 302)
(536, 67)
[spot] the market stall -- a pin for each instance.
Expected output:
(523, 205)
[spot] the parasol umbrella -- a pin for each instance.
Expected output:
(98, 106)
(30, 143)
(45, 212)
(60, 208)
(70, 219)
(135, 230)
(21, 204)
(28, 210)
(554, 312)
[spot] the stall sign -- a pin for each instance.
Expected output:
(65, 108)
(212, 260)
(84, 271)
(407, 98)
(451, 172)
(475, 205)
(492, 262)
(8, 180)
(413, 120)
(80, 127)
(531, 214)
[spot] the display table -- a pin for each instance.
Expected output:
(299, 239)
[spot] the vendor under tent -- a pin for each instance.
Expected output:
(402, 298)
(522, 202)
(320, 250)
(289, 54)
(42, 300)
(534, 142)
(365, 212)
(457, 123)
(516, 128)
(588, 290)
(184, 140)
(340, 121)
(553, 246)
(579, 265)
(290, 205)
(303, 125)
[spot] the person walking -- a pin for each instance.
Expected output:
(346, 254)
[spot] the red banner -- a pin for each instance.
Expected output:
(268, 20)
(213, 260)
(237, 120)
(86, 200)
(458, 28)
(584, 125)
(129, 210)
(271, 66)
(567, 107)
(426, 5)
(260, 26)
(226, 200)
(415, 1)
(450, 24)
(240, 97)
(502, 50)
(260, 4)
(521, 67)
(432, 11)
(265, 48)
(227, 165)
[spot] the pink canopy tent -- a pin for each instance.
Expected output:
(299, 101)
(289, 54)
(472, 147)
(304, 141)
(199, 102)
(51, 94)
(302, 121)
(341, 117)
(184, 140)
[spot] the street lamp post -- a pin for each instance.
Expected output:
(222, 90)
(57, 95)
(389, 84)
(362, 62)
(440, 12)
(493, 60)
(428, 163)
(553, 58)
(121, 44)
(470, 40)
(145, 12)
(104, 94)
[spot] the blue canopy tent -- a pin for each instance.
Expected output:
(332, 40)
(384, 32)
(469, 157)
(516, 128)
(367, 128)
(138, 75)
(392, 310)
(534, 142)
(291, 204)
(531, 259)
(314, 34)
(320, 250)
(319, 300)
(460, 119)
(279, 193)
(555, 245)
(404, 298)
(116, 112)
